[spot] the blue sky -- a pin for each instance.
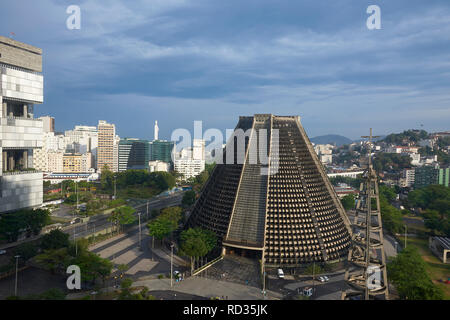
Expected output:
(176, 61)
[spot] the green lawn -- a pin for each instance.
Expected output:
(435, 268)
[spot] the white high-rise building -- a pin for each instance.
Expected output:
(156, 130)
(21, 87)
(190, 162)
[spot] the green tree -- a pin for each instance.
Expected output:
(53, 294)
(188, 198)
(122, 216)
(174, 214)
(160, 228)
(197, 242)
(107, 178)
(407, 272)
(348, 201)
(25, 221)
(55, 239)
(26, 251)
(92, 266)
(54, 260)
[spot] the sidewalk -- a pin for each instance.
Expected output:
(209, 288)
(204, 287)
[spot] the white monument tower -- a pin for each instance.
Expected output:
(156, 130)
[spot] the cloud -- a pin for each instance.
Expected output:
(220, 59)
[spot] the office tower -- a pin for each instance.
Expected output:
(282, 208)
(48, 124)
(133, 154)
(161, 150)
(107, 150)
(156, 130)
(21, 87)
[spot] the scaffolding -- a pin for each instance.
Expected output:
(366, 273)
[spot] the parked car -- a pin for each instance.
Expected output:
(2, 252)
(76, 220)
(326, 278)
(280, 273)
(321, 279)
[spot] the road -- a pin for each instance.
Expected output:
(100, 221)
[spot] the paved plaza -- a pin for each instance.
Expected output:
(124, 250)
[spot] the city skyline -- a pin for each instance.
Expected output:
(214, 62)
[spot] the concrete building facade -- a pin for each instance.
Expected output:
(21, 87)
(107, 150)
(76, 163)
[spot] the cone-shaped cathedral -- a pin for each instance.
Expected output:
(284, 210)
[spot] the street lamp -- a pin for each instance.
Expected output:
(114, 187)
(17, 267)
(406, 228)
(139, 216)
(171, 264)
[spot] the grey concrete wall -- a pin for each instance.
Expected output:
(20, 54)
(20, 191)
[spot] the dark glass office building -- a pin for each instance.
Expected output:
(161, 150)
(133, 154)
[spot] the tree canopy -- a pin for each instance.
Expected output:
(348, 201)
(407, 272)
(55, 239)
(25, 221)
(434, 200)
(391, 162)
(188, 198)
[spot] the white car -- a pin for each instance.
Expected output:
(321, 279)
(2, 252)
(326, 278)
(280, 273)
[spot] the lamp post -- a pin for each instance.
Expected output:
(147, 211)
(314, 269)
(139, 217)
(17, 267)
(153, 245)
(406, 235)
(171, 265)
(114, 187)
